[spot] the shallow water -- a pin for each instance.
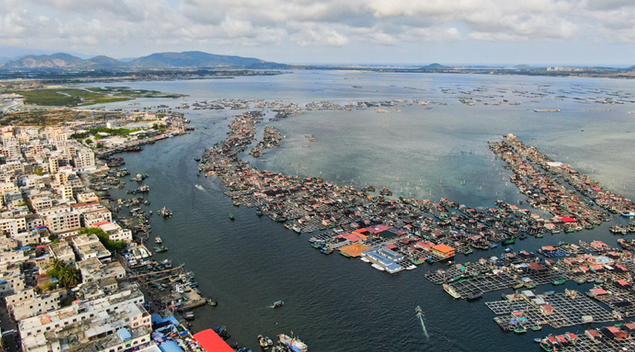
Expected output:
(337, 304)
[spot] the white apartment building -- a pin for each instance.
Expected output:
(108, 324)
(62, 222)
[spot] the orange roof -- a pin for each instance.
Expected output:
(443, 248)
(355, 249)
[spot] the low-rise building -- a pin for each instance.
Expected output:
(89, 246)
(62, 251)
(108, 324)
(36, 305)
(11, 281)
(93, 270)
(12, 226)
(115, 232)
(63, 222)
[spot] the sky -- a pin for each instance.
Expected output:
(494, 32)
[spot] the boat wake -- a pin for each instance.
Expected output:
(423, 325)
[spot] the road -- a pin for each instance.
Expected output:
(10, 336)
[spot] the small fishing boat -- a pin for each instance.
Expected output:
(294, 343)
(231, 216)
(509, 241)
(189, 315)
(474, 296)
(165, 212)
(451, 291)
(559, 282)
(277, 304)
(160, 249)
(264, 341)
(378, 267)
(158, 240)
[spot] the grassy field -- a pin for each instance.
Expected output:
(86, 96)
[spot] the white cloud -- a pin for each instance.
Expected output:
(133, 25)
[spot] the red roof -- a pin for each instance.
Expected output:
(536, 266)
(568, 220)
(211, 342)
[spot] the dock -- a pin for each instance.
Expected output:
(557, 310)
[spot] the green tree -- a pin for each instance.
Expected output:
(67, 275)
(104, 238)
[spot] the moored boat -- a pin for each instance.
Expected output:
(559, 282)
(294, 343)
(474, 296)
(451, 291)
(160, 249)
(378, 267)
(509, 241)
(264, 341)
(165, 212)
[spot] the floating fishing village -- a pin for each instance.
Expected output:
(83, 270)
(393, 235)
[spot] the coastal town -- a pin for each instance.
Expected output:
(76, 274)
(79, 275)
(333, 176)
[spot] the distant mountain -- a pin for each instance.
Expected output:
(105, 62)
(434, 66)
(195, 59)
(188, 59)
(54, 61)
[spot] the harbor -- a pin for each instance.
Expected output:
(253, 244)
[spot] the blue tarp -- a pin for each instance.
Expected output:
(124, 334)
(170, 346)
(158, 319)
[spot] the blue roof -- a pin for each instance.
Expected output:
(124, 334)
(170, 346)
(158, 319)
